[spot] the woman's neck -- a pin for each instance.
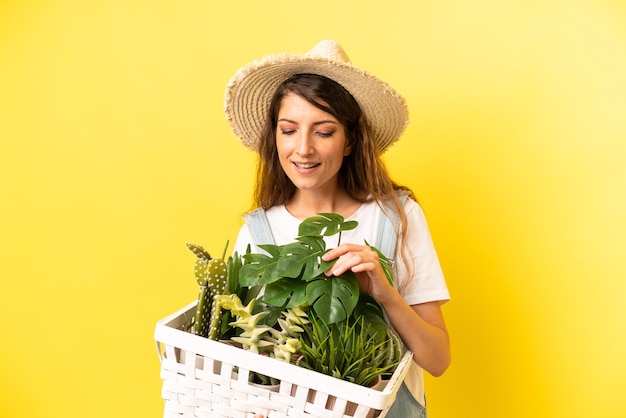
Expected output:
(303, 205)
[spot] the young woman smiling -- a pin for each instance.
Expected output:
(320, 125)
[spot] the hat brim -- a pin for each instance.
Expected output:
(250, 90)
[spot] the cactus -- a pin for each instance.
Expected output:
(216, 280)
(223, 301)
(199, 251)
(211, 277)
(203, 307)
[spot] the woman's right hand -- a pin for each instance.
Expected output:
(365, 263)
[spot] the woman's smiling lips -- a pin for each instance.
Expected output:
(305, 167)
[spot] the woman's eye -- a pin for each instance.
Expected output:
(325, 134)
(287, 131)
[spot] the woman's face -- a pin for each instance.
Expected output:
(311, 145)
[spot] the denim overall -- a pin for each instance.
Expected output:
(405, 405)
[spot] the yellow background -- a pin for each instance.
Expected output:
(114, 152)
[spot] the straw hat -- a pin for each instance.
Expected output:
(250, 90)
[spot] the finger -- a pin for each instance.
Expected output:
(342, 250)
(364, 267)
(348, 262)
(334, 253)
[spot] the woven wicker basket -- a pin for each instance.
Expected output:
(205, 378)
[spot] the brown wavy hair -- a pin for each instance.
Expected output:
(362, 175)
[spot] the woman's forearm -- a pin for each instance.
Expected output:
(423, 330)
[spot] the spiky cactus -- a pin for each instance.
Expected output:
(211, 277)
(199, 251)
(203, 308)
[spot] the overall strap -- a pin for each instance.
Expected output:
(259, 227)
(386, 234)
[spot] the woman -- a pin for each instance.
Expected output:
(320, 126)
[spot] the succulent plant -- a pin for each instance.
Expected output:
(261, 338)
(286, 341)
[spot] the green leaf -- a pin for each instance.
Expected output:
(286, 292)
(233, 266)
(345, 351)
(303, 258)
(326, 224)
(247, 294)
(373, 316)
(259, 268)
(333, 299)
(273, 313)
(385, 263)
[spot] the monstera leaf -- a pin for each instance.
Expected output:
(303, 259)
(294, 273)
(326, 224)
(287, 292)
(333, 298)
(259, 268)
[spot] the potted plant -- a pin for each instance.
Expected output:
(281, 304)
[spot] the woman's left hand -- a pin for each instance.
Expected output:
(365, 263)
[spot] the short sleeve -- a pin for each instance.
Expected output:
(421, 279)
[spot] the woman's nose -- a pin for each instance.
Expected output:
(305, 145)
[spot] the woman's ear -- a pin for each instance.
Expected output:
(347, 150)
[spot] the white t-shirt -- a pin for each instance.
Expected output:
(427, 283)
